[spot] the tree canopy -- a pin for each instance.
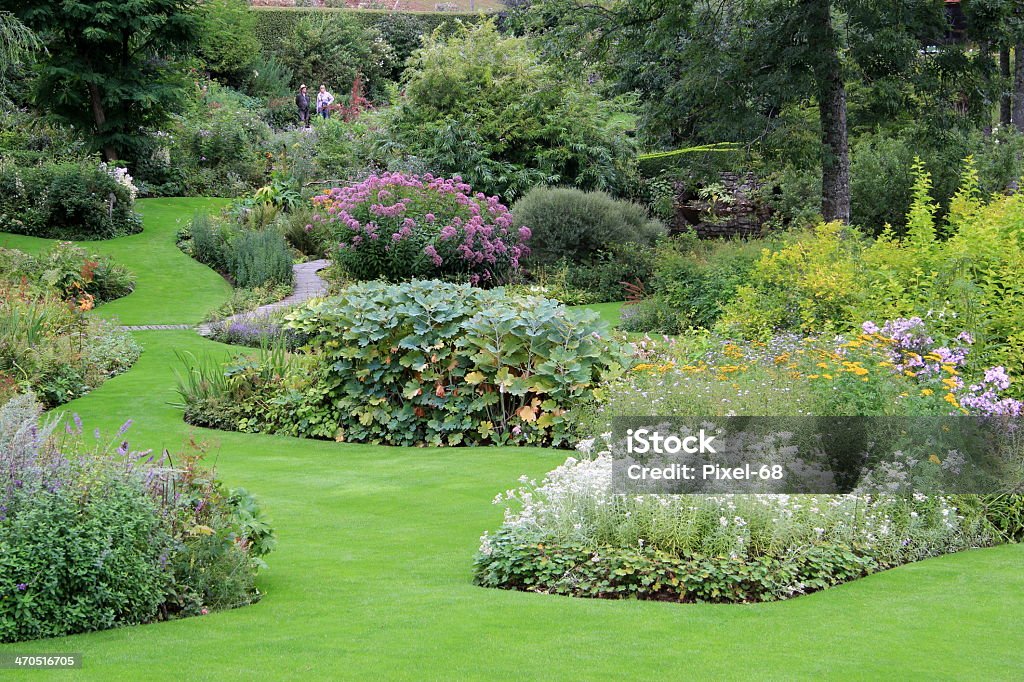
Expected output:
(113, 64)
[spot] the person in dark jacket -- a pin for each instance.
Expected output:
(302, 102)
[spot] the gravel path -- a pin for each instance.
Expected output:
(307, 285)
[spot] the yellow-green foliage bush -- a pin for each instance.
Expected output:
(966, 273)
(808, 286)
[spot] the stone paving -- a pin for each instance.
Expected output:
(307, 285)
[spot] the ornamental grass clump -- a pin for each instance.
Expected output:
(398, 227)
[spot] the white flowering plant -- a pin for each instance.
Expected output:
(121, 177)
(573, 534)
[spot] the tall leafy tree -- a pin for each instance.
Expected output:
(17, 43)
(999, 25)
(112, 65)
(728, 67)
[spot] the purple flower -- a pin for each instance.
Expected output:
(998, 377)
(22, 587)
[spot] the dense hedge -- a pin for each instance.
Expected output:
(692, 161)
(275, 24)
(74, 200)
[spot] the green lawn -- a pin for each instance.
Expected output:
(170, 288)
(372, 578)
(610, 312)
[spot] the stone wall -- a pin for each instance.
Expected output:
(736, 211)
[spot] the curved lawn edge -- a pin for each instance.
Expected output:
(170, 288)
(372, 577)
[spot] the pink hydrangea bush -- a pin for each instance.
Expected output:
(398, 227)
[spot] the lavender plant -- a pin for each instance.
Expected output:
(94, 534)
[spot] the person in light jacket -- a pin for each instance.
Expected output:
(302, 103)
(324, 100)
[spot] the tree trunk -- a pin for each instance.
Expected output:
(1004, 99)
(100, 118)
(835, 151)
(835, 145)
(1018, 86)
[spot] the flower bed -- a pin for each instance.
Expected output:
(399, 227)
(897, 368)
(94, 535)
(68, 271)
(422, 363)
(48, 345)
(572, 535)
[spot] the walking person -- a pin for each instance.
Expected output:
(302, 103)
(324, 100)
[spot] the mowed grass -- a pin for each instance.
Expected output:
(170, 288)
(372, 579)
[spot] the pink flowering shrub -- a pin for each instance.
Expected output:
(399, 227)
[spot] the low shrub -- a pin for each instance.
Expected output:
(302, 234)
(653, 314)
(647, 573)
(93, 537)
(217, 146)
(247, 393)
(259, 258)
(399, 227)
(807, 287)
(346, 149)
(67, 200)
(472, 367)
(577, 226)
(571, 534)
(207, 242)
(617, 273)
(48, 346)
(69, 272)
(698, 278)
(251, 259)
(425, 362)
(74, 562)
(880, 182)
